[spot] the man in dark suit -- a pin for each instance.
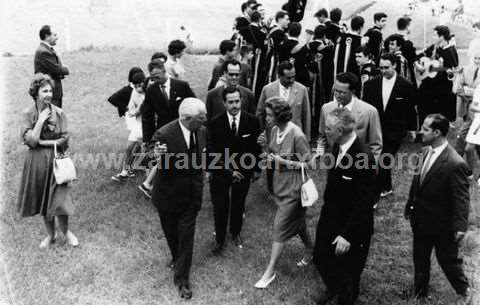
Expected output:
(47, 62)
(232, 70)
(394, 98)
(162, 99)
(437, 208)
(346, 221)
(178, 185)
(375, 37)
(232, 132)
(333, 29)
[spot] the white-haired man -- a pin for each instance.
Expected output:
(178, 185)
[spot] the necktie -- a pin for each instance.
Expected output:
(234, 126)
(426, 164)
(193, 145)
(339, 156)
(164, 92)
(475, 75)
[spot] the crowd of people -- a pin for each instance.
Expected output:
(281, 105)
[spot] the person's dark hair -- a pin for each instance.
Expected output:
(321, 13)
(365, 50)
(439, 122)
(281, 109)
(394, 37)
(284, 65)
(156, 63)
(132, 71)
(336, 15)
(280, 15)
(390, 57)
(256, 16)
(379, 16)
(403, 23)
(443, 30)
(226, 46)
(319, 31)
(350, 79)
(45, 31)
(138, 78)
(357, 23)
(244, 6)
(294, 29)
(230, 90)
(176, 46)
(245, 49)
(232, 62)
(39, 80)
(159, 55)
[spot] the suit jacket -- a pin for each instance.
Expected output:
(298, 100)
(220, 138)
(349, 196)
(177, 187)
(375, 42)
(46, 61)
(214, 103)
(120, 99)
(439, 206)
(399, 116)
(368, 127)
(166, 111)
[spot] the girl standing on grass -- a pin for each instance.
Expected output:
(44, 126)
(133, 120)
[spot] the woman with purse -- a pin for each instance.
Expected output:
(288, 151)
(44, 131)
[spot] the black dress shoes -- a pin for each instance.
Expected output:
(184, 291)
(171, 264)
(217, 250)
(237, 240)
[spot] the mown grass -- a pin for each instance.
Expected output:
(122, 254)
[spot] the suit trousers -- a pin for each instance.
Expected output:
(386, 162)
(179, 230)
(228, 201)
(341, 274)
(446, 250)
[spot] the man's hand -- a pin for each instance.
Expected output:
(342, 245)
(237, 176)
(459, 236)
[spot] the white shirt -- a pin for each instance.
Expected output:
(230, 119)
(349, 106)
(284, 91)
(344, 148)
(167, 87)
(435, 153)
(47, 44)
(387, 86)
(186, 133)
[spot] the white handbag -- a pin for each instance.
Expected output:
(309, 192)
(63, 168)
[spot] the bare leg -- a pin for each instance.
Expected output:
(149, 181)
(277, 249)
(63, 223)
(50, 226)
(307, 241)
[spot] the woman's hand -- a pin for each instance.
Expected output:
(262, 140)
(275, 158)
(44, 115)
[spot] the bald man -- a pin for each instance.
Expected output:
(178, 185)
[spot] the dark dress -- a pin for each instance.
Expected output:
(39, 193)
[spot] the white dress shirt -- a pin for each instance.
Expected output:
(435, 153)
(237, 119)
(387, 87)
(167, 87)
(186, 133)
(344, 148)
(285, 92)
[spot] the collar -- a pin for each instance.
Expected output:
(293, 38)
(47, 44)
(349, 106)
(440, 148)
(448, 45)
(346, 146)
(167, 83)
(283, 87)
(354, 33)
(230, 118)
(391, 80)
(185, 130)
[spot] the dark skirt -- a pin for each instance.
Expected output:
(39, 193)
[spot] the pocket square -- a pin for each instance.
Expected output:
(204, 150)
(399, 98)
(245, 135)
(178, 98)
(347, 178)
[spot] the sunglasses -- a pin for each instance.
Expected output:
(233, 74)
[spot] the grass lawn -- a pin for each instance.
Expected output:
(122, 254)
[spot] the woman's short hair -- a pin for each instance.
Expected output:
(280, 107)
(133, 71)
(176, 47)
(39, 80)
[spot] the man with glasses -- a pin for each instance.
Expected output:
(232, 70)
(368, 127)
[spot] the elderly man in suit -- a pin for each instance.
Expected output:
(47, 62)
(295, 93)
(437, 207)
(394, 98)
(367, 126)
(232, 136)
(178, 185)
(346, 221)
(215, 103)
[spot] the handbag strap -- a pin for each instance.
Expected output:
(303, 172)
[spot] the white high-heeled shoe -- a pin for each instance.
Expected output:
(71, 239)
(263, 283)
